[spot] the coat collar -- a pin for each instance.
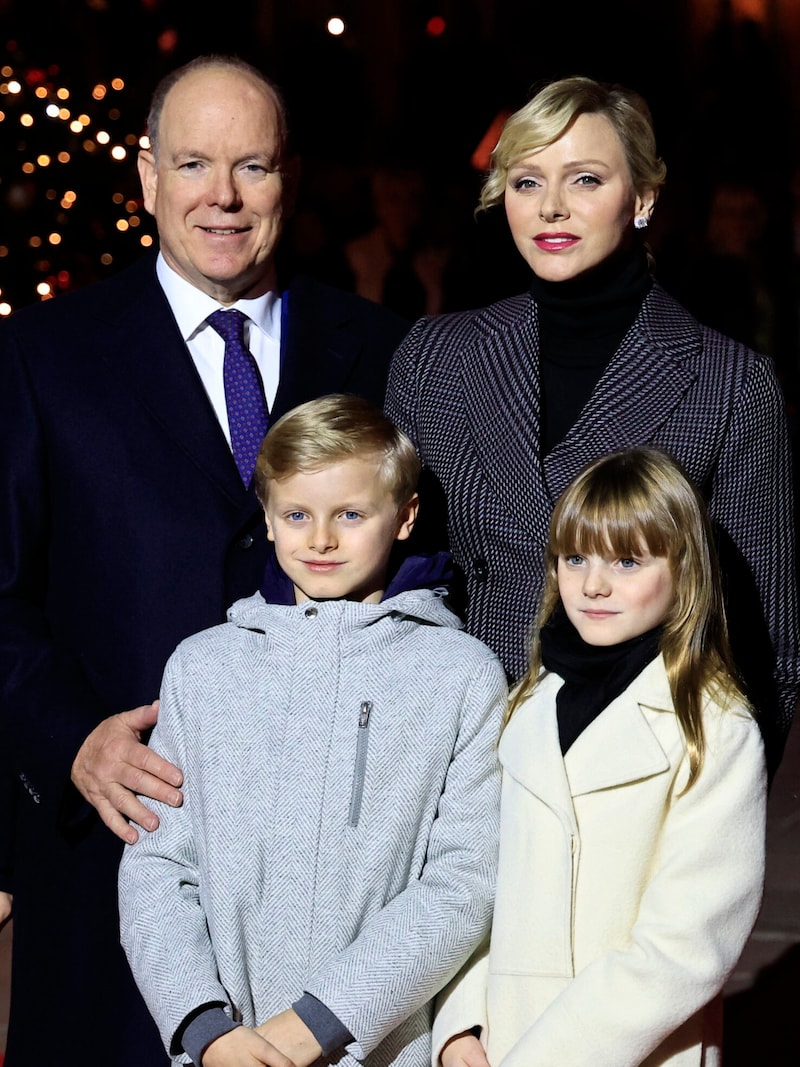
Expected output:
(621, 745)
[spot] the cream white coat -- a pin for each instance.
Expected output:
(622, 907)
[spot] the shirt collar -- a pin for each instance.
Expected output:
(191, 307)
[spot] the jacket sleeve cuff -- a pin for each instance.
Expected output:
(207, 1026)
(330, 1032)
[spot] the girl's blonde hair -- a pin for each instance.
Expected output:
(640, 500)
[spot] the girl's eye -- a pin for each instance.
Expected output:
(627, 563)
(574, 560)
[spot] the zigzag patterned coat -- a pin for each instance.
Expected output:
(288, 869)
(465, 387)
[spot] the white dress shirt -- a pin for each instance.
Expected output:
(262, 334)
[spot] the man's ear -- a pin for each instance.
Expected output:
(406, 517)
(148, 178)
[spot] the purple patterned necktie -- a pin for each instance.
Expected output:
(248, 417)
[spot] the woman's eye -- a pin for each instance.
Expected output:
(525, 183)
(588, 179)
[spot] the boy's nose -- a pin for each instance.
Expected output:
(321, 537)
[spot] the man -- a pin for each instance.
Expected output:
(129, 524)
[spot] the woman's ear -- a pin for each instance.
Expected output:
(643, 207)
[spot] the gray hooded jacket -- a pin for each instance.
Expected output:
(339, 830)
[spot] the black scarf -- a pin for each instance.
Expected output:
(594, 675)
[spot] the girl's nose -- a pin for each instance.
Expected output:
(596, 582)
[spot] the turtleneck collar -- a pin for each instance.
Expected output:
(615, 286)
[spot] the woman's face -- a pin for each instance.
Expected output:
(572, 204)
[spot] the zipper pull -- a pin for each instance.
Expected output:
(364, 714)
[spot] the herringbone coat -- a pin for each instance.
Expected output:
(465, 387)
(295, 867)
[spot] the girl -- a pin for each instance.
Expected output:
(634, 794)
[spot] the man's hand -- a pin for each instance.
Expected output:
(289, 1033)
(113, 765)
(243, 1047)
(464, 1050)
(5, 908)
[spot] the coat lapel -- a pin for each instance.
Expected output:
(531, 753)
(619, 746)
(319, 349)
(639, 391)
(500, 384)
(153, 360)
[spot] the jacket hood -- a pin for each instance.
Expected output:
(406, 572)
(426, 606)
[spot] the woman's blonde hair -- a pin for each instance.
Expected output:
(550, 112)
(637, 500)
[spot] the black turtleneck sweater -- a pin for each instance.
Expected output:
(581, 324)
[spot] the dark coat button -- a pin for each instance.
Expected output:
(247, 541)
(480, 569)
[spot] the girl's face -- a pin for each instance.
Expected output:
(610, 599)
(572, 204)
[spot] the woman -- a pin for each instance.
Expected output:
(507, 403)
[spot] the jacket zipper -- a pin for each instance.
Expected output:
(362, 739)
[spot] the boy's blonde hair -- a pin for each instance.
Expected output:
(640, 500)
(333, 428)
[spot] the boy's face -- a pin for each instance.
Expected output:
(334, 529)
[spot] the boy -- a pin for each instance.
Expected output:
(333, 863)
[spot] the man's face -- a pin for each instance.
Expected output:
(216, 190)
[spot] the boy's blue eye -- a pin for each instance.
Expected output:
(296, 516)
(351, 515)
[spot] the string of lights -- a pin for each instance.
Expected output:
(70, 197)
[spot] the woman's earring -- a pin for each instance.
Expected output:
(640, 222)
